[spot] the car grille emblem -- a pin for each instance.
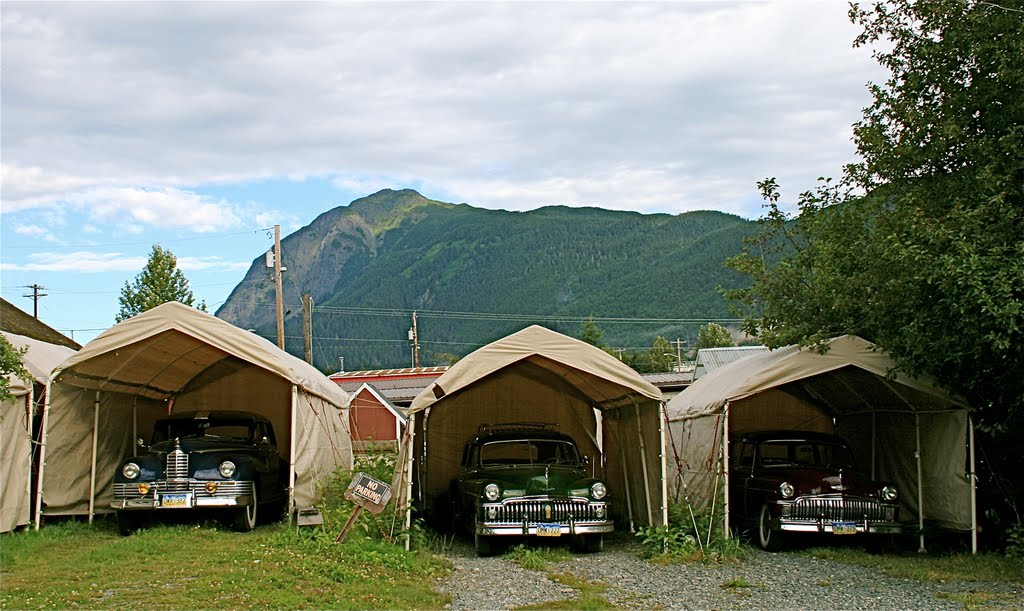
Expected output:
(547, 512)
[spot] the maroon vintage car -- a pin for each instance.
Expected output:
(783, 482)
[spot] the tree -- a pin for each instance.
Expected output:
(159, 282)
(920, 246)
(591, 333)
(11, 364)
(714, 335)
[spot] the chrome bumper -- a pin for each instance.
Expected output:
(821, 526)
(531, 529)
(228, 494)
(151, 503)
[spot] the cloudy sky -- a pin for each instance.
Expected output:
(200, 125)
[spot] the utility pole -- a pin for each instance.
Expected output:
(307, 327)
(414, 337)
(35, 298)
(277, 286)
(679, 354)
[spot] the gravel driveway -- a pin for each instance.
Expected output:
(777, 581)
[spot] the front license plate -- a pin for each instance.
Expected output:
(549, 530)
(844, 528)
(181, 500)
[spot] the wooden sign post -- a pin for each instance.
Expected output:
(367, 493)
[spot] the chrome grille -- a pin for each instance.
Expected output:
(838, 509)
(177, 470)
(533, 511)
(225, 488)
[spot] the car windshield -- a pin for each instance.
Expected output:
(802, 453)
(234, 430)
(529, 452)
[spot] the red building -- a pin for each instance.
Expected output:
(379, 399)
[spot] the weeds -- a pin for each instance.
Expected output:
(537, 559)
(679, 541)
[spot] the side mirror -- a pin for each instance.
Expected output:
(265, 440)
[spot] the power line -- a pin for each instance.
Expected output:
(141, 243)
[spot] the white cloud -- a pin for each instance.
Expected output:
(671, 106)
(99, 262)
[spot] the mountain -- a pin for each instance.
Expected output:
(369, 264)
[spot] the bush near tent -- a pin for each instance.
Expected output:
(19, 417)
(538, 375)
(174, 357)
(902, 429)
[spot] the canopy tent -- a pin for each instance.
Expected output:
(902, 429)
(176, 358)
(16, 431)
(538, 375)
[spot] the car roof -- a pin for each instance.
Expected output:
(510, 434)
(220, 414)
(789, 435)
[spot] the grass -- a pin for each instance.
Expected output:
(924, 567)
(201, 566)
(736, 582)
(537, 559)
(589, 595)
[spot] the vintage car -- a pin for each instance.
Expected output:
(786, 482)
(222, 460)
(528, 480)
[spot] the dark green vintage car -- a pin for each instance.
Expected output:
(528, 480)
(221, 460)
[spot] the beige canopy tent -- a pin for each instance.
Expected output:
(902, 429)
(16, 417)
(176, 358)
(538, 375)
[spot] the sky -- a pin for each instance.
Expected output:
(199, 126)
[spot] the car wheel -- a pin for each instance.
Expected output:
(129, 521)
(485, 545)
(768, 539)
(245, 517)
(588, 544)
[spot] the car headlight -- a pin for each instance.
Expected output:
(889, 493)
(492, 492)
(130, 471)
(786, 490)
(227, 468)
(598, 491)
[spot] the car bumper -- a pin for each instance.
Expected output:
(234, 494)
(822, 526)
(525, 530)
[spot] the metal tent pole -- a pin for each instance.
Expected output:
(291, 454)
(974, 487)
(643, 466)
(920, 483)
(725, 471)
(92, 472)
(42, 455)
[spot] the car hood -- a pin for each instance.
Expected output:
(827, 481)
(201, 445)
(536, 480)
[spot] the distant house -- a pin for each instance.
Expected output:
(379, 399)
(710, 359)
(671, 383)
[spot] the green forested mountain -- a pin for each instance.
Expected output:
(368, 265)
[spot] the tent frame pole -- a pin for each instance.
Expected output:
(95, 441)
(874, 435)
(974, 486)
(42, 455)
(625, 481)
(920, 484)
(291, 455)
(643, 465)
(726, 533)
(662, 424)
(410, 431)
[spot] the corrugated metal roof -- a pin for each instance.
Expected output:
(400, 386)
(713, 358)
(375, 374)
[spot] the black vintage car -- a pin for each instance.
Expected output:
(786, 482)
(223, 460)
(528, 480)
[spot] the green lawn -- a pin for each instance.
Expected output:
(72, 565)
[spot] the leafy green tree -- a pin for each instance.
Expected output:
(658, 359)
(714, 335)
(11, 364)
(159, 282)
(920, 246)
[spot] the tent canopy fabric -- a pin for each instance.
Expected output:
(852, 390)
(176, 358)
(538, 375)
(16, 416)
